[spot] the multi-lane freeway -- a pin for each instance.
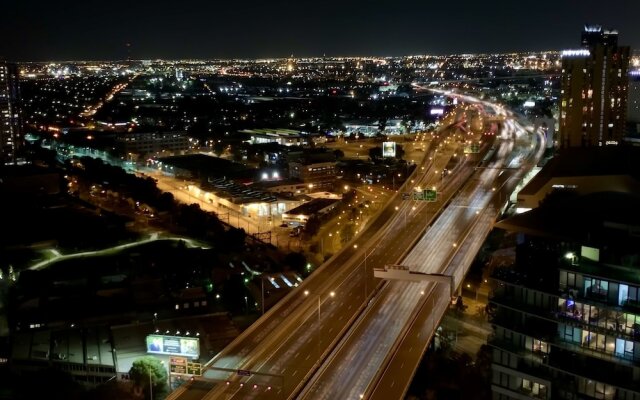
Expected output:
(379, 356)
(337, 335)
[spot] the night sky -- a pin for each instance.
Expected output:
(99, 29)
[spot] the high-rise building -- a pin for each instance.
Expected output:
(566, 314)
(634, 97)
(10, 113)
(593, 103)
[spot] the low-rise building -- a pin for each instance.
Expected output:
(285, 137)
(153, 143)
(286, 187)
(317, 170)
(317, 207)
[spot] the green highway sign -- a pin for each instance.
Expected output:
(474, 148)
(425, 195)
(430, 195)
(194, 368)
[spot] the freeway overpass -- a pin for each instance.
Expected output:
(310, 334)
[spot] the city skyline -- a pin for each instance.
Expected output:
(356, 200)
(198, 30)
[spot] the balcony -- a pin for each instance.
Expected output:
(596, 294)
(631, 305)
(591, 364)
(520, 394)
(533, 326)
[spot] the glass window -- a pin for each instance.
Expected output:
(563, 279)
(571, 279)
(603, 391)
(610, 345)
(620, 345)
(504, 379)
(539, 345)
(633, 294)
(628, 349)
(623, 294)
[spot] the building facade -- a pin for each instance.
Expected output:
(153, 143)
(633, 107)
(566, 320)
(317, 170)
(10, 113)
(593, 104)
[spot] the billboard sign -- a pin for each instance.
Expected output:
(388, 149)
(173, 345)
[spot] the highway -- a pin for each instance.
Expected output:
(378, 357)
(285, 346)
(334, 336)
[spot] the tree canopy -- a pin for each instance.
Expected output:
(148, 372)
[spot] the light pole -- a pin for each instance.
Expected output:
(319, 330)
(262, 290)
(150, 386)
(366, 271)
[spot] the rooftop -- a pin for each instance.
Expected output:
(274, 132)
(312, 207)
(594, 161)
(208, 166)
(608, 221)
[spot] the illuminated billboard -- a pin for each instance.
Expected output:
(388, 149)
(173, 345)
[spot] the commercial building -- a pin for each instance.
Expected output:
(242, 199)
(284, 137)
(288, 187)
(593, 104)
(317, 170)
(153, 143)
(10, 113)
(316, 207)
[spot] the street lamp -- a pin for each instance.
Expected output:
(332, 294)
(150, 385)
